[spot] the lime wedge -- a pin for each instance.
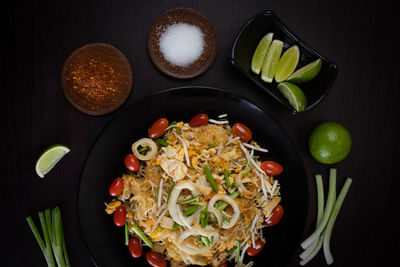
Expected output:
(306, 73)
(49, 159)
(287, 64)
(271, 61)
(261, 51)
(296, 97)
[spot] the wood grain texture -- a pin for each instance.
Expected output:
(360, 36)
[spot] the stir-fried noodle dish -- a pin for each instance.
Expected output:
(197, 193)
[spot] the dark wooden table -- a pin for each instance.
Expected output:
(360, 36)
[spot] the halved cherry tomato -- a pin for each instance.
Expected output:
(155, 259)
(132, 163)
(135, 247)
(116, 187)
(241, 130)
(277, 214)
(252, 251)
(158, 128)
(120, 216)
(199, 120)
(271, 167)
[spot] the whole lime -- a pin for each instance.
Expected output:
(329, 142)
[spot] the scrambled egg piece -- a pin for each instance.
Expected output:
(174, 168)
(171, 161)
(232, 155)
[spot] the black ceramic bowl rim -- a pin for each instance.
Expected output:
(287, 31)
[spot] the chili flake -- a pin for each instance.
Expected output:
(94, 80)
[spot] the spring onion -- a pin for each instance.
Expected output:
(221, 205)
(143, 149)
(200, 241)
(126, 234)
(232, 250)
(212, 145)
(204, 217)
(314, 252)
(237, 251)
(205, 241)
(193, 201)
(175, 226)
(327, 212)
(170, 191)
(142, 235)
(161, 142)
(325, 219)
(226, 220)
(190, 210)
(211, 179)
(320, 201)
(246, 171)
(53, 246)
(227, 180)
(332, 219)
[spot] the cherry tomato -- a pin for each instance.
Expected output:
(271, 167)
(132, 163)
(135, 247)
(252, 251)
(120, 216)
(116, 187)
(158, 128)
(277, 214)
(155, 259)
(242, 131)
(199, 120)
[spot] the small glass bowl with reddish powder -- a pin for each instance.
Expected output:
(97, 78)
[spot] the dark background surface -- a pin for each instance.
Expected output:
(360, 36)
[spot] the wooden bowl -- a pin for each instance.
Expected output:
(192, 17)
(96, 78)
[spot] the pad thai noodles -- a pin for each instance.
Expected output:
(197, 193)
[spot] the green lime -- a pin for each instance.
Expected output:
(306, 73)
(329, 142)
(287, 64)
(271, 61)
(296, 97)
(261, 51)
(49, 159)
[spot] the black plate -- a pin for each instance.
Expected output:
(105, 162)
(245, 45)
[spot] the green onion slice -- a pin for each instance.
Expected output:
(211, 179)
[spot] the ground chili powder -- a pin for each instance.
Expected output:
(94, 80)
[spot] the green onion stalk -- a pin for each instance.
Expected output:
(221, 205)
(327, 212)
(193, 201)
(211, 179)
(141, 235)
(190, 210)
(54, 245)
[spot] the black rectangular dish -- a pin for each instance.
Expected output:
(247, 40)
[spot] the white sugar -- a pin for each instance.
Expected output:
(182, 44)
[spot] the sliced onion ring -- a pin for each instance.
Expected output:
(144, 142)
(173, 205)
(208, 231)
(230, 201)
(187, 249)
